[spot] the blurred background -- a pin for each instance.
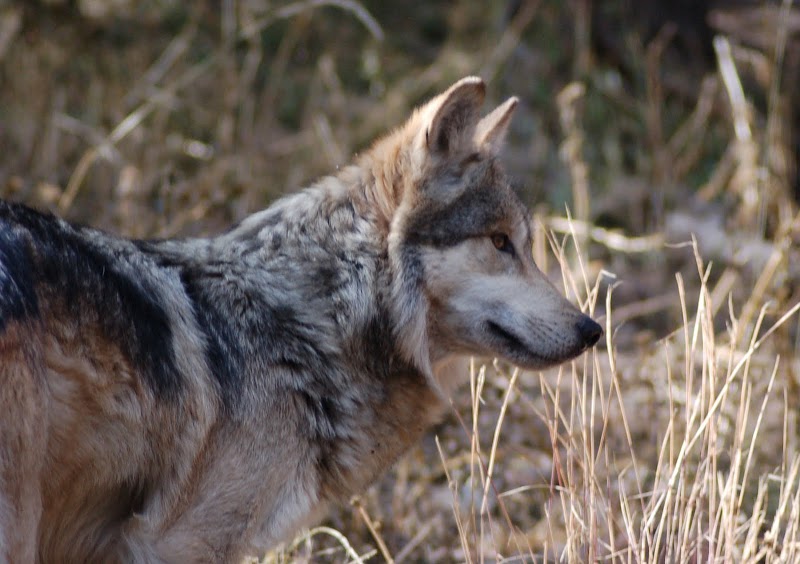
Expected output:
(644, 122)
(159, 118)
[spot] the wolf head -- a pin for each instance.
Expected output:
(460, 249)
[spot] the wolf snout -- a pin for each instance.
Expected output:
(589, 330)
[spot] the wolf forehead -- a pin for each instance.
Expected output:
(485, 204)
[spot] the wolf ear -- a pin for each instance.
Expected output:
(491, 130)
(454, 116)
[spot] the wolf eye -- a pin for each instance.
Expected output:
(502, 243)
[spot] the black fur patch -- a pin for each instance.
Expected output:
(245, 333)
(17, 292)
(323, 416)
(376, 346)
(87, 278)
(223, 350)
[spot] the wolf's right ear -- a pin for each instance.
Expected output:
(454, 116)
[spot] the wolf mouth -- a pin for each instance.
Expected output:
(513, 343)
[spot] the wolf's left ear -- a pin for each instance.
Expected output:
(491, 130)
(454, 116)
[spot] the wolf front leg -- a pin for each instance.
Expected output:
(23, 441)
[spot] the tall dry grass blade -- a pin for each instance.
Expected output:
(754, 436)
(496, 439)
(456, 513)
(373, 530)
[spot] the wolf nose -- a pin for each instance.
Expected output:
(589, 330)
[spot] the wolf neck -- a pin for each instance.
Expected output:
(365, 202)
(387, 190)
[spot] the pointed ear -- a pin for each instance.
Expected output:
(491, 131)
(454, 115)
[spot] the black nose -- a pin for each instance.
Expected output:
(589, 330)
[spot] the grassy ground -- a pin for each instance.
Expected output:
(662, 180)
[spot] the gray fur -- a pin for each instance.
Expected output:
(201, 399)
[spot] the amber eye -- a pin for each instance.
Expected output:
(502, 243)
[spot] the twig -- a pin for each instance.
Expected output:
(356, 502)
(612, 239)
(415, 541)
(655, 101)
(730, 77)
(496, 439)
(340, 538)
(572, 147)
(774, 114)
(295, 8)
(745, 178)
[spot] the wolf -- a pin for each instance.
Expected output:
(197, 400)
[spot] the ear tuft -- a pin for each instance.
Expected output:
(454, 116)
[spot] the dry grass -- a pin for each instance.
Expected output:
(676, 441)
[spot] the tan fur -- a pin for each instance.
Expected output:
(23, 441)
